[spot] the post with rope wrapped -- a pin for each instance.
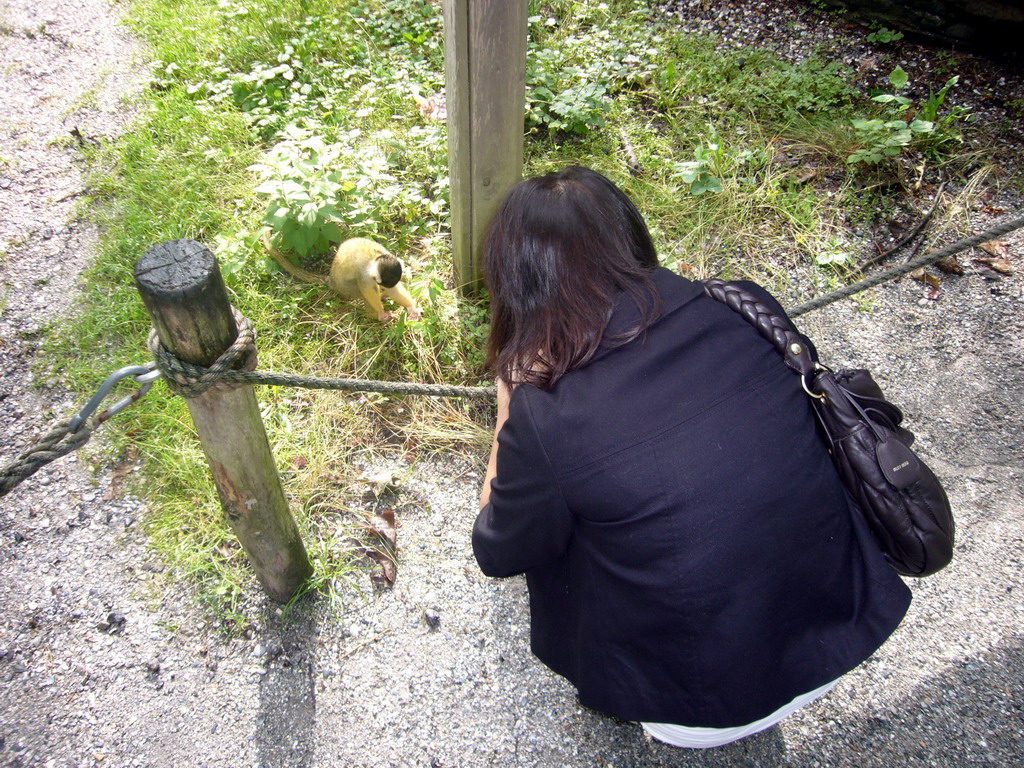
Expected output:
(182, 288)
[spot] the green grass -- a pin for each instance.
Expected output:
(231, 81)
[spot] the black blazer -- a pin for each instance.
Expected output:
(689, 549)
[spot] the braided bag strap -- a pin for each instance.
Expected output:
(774, 327)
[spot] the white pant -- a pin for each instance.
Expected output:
(702, 738)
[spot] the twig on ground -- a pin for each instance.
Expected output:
(70, 196)
(917, 249)
(356, 649)
(631, 158)
(917, 230)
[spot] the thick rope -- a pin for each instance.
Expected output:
(921, 261)
(357, 385)
(58, 441)
(192, 380)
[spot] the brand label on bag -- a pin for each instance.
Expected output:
(897, 462)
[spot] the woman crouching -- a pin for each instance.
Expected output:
(690, 553)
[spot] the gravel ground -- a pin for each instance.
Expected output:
(103, 664)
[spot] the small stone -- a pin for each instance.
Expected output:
(5, 183)
(113, 624)
(433, 619)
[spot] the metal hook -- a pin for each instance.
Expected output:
(803, 383)
(144, 375)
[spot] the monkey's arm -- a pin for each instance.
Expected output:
(368, 288)
(402, 297)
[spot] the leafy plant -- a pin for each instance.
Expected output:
(304, 191)
(696, 173)
(930, 109)
(892, 134)
(559, 98)
(311, 186)
(233, 250)
(570, 79)
(787, 91)
(578, 109)
(884, 138)
(884, 35)
(833, 254)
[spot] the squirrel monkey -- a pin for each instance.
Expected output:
(361, 267)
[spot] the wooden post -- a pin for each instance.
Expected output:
(485, 72)
(182, 288)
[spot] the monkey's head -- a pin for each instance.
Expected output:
(389, 269)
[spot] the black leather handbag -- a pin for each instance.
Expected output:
(902, 501)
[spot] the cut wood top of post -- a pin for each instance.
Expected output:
(175, 267)
(181, 286)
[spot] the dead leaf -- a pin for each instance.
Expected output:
(997, 263)
(299, 462)
(950, 266)
(433, 108)
(993, 210)
(869, 64)
(382, 480)
(934, 286)
(996, 247)
(384, 530)
(120, 471)
(385, 577)
(385, 548)
(896, 229)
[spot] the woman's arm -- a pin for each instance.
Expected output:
(523, 520)
(504, 393)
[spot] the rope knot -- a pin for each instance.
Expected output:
(190, 380)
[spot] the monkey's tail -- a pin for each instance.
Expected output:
(295, 271)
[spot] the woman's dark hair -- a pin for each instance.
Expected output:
(558, 254)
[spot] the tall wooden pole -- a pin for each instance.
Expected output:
(182, 288)
(485, 71)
